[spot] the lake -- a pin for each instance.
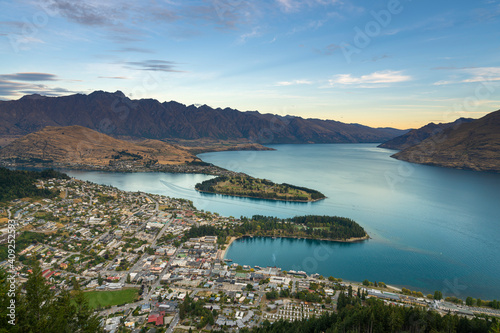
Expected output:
(432, 228)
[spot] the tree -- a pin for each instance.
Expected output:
(249, 287)
(495, 328)
(479, 302)
(128, 278)
(469, 301)
(366, 282)
(40, 310)
(99, 279)
(438, 295)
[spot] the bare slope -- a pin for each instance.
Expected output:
(80, 145)
(416, 136)
(474, 145)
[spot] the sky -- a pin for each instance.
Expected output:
(391, 63)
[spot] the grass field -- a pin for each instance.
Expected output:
(114, 297)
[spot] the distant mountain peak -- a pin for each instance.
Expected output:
(119, 116)
(416, 136)
(33, 96)
(463, 144)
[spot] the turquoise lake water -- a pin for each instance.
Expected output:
(432, 228)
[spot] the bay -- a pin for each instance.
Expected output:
(432, 228)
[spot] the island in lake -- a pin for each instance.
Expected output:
(242, 185)
(330, 228)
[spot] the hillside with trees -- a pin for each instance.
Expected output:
(371, 315)
(311, 226)
(246, 186)
(15, 184)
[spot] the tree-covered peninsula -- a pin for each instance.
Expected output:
(246, 186)
(332, 228)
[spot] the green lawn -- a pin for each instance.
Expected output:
(114, 297)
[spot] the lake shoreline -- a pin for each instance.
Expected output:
(349, 240)
(258, 198)
(223, 252)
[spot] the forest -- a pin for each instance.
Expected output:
(15, 184)
(309, 226)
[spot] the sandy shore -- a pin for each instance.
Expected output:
(222, 253)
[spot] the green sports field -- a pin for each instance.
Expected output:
(113, 297)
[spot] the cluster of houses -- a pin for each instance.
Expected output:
(293, 311)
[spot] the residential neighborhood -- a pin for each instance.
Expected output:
(129, 253)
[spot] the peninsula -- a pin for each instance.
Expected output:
(243, 185)
(330, 228)
(77, 147)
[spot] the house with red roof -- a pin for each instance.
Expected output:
(156, 318)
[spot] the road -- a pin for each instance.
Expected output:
(164, 271)
(173, 323)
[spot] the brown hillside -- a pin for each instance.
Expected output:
(416, 136)
(474, 145)
(80, 145)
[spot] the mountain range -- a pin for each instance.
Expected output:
(117, 115)
(464, 144)
(415, 136)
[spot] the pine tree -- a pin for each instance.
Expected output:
(40, 310)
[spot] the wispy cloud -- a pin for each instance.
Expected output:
(378, 58)
(328, 50)
(293, 83)
(113, 77)
(289, 5)
(295, 5)
(153, 65)
(469, 75)
(31, 76)
(254, 33)
(373, 80)
(133, 49)
(122, 17)
(85, 12)
(12, 89)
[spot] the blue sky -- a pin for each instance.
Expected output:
(379, 63)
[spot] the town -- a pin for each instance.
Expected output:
(130, 255)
